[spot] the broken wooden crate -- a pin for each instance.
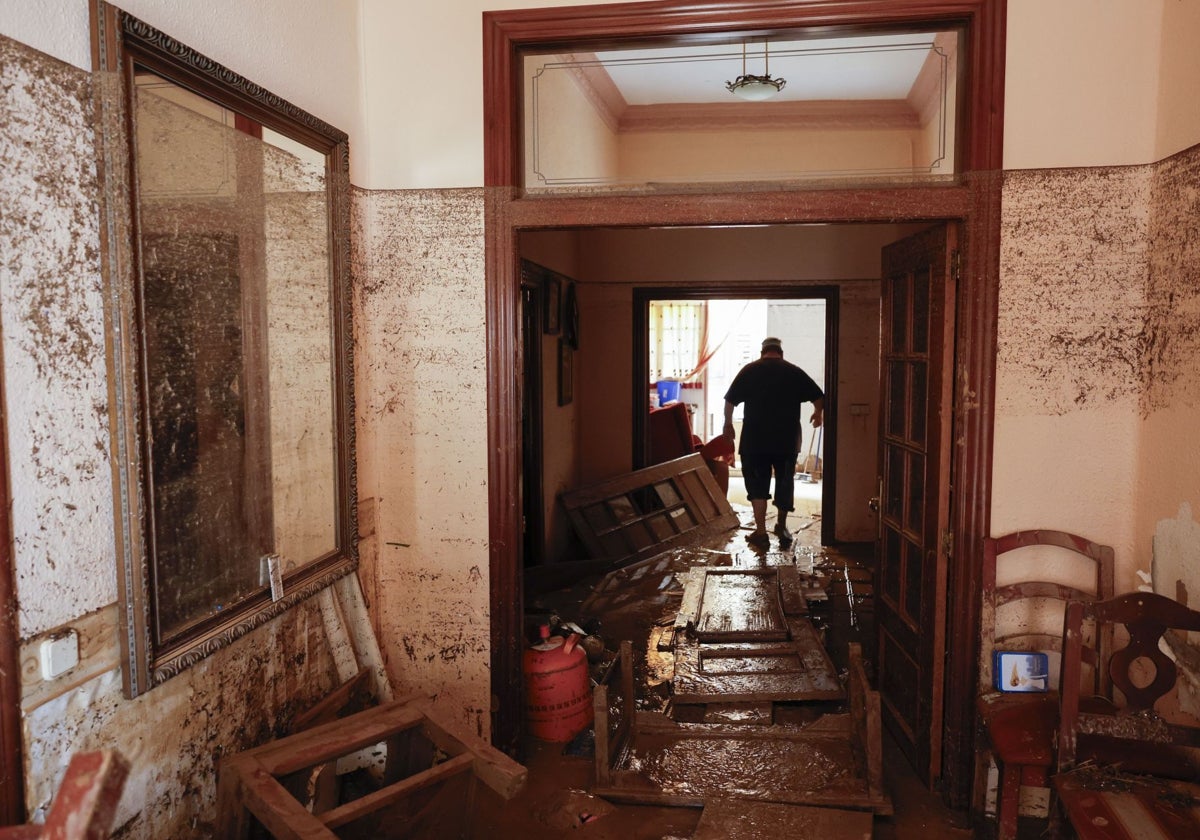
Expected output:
(642, 513)
(429, 778)
(647, 758)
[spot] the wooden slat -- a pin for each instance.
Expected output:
(790, 591)
(99, 653)
(364, 805)
(275, 808)
(867, 723)
(495, 769)
(336, 703)
(601, 748)
(689, 607)
(337, 738)
(610, 740)
(812, 677)
(742, 819)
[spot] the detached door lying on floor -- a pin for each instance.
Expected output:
(916, 375)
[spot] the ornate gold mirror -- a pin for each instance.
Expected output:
(226, 265)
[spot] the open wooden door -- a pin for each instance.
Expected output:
(916, 375)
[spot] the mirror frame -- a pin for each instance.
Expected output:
(119, 41)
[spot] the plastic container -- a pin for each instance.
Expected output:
(558, 694)
(668, 391)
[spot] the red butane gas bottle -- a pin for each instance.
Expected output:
(558, 696)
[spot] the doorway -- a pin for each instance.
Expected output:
(732, 321)
(974, 200)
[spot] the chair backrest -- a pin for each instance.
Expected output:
(1097, 585)
(1136, 738)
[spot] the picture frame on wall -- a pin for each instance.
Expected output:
(570, 318)
(551, 304)
(566, 373)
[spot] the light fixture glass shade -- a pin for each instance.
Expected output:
(755, 88)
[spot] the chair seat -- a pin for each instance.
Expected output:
(1102, 804)
(1021, 727)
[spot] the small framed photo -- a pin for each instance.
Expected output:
(551, 304)
(566, 373)
(1021, 670)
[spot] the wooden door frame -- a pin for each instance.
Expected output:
(12, 791)
(828, 292)
(532, 391)
(973, 200)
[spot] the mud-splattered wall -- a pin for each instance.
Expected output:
(1168, 485)
(54, 343)
(1098, 369)
(55, 377)
(422, 439)
(1073, 269)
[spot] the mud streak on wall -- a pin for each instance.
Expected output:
(53, 342)
(1072, 323)
(420, 335)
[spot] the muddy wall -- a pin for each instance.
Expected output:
(62, 513)
(1168, 469)
(422, 437)
(1097, 369)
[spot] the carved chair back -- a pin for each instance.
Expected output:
(1136, 738)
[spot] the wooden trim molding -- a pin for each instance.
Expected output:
(12, 778)
(973, 197)
(859, 115)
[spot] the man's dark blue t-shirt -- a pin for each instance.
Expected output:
(774, 391)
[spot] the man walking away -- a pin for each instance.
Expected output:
(774, 391)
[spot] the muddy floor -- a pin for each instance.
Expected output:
(638, 606)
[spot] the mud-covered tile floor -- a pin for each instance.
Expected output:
(556, 801)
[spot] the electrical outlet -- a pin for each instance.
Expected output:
(59, 654)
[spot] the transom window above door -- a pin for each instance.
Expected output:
(780, 109)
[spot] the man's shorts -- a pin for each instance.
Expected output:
(756, 473)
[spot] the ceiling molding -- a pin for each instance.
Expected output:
(598, 88)
(925, 97)
(849, 114)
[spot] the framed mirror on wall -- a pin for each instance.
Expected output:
(226, 263)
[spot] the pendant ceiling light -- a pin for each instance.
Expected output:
(756, 88)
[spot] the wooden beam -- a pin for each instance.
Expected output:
(363, 806)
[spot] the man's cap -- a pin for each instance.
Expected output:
(772, 344)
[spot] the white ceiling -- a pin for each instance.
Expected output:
(876, 67)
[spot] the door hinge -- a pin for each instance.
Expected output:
(947, 542)
(956, 265)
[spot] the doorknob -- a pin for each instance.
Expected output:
(873, 504)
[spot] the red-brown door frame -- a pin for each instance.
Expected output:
(975, 200)
(12, 783)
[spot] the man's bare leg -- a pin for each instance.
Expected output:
(759, 537)
(781, 531)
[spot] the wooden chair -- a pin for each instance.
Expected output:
(86, 802)
(1018, 729)
(1131, 774)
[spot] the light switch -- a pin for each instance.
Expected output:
(59, 654)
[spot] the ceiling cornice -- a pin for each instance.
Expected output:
(850, 114)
